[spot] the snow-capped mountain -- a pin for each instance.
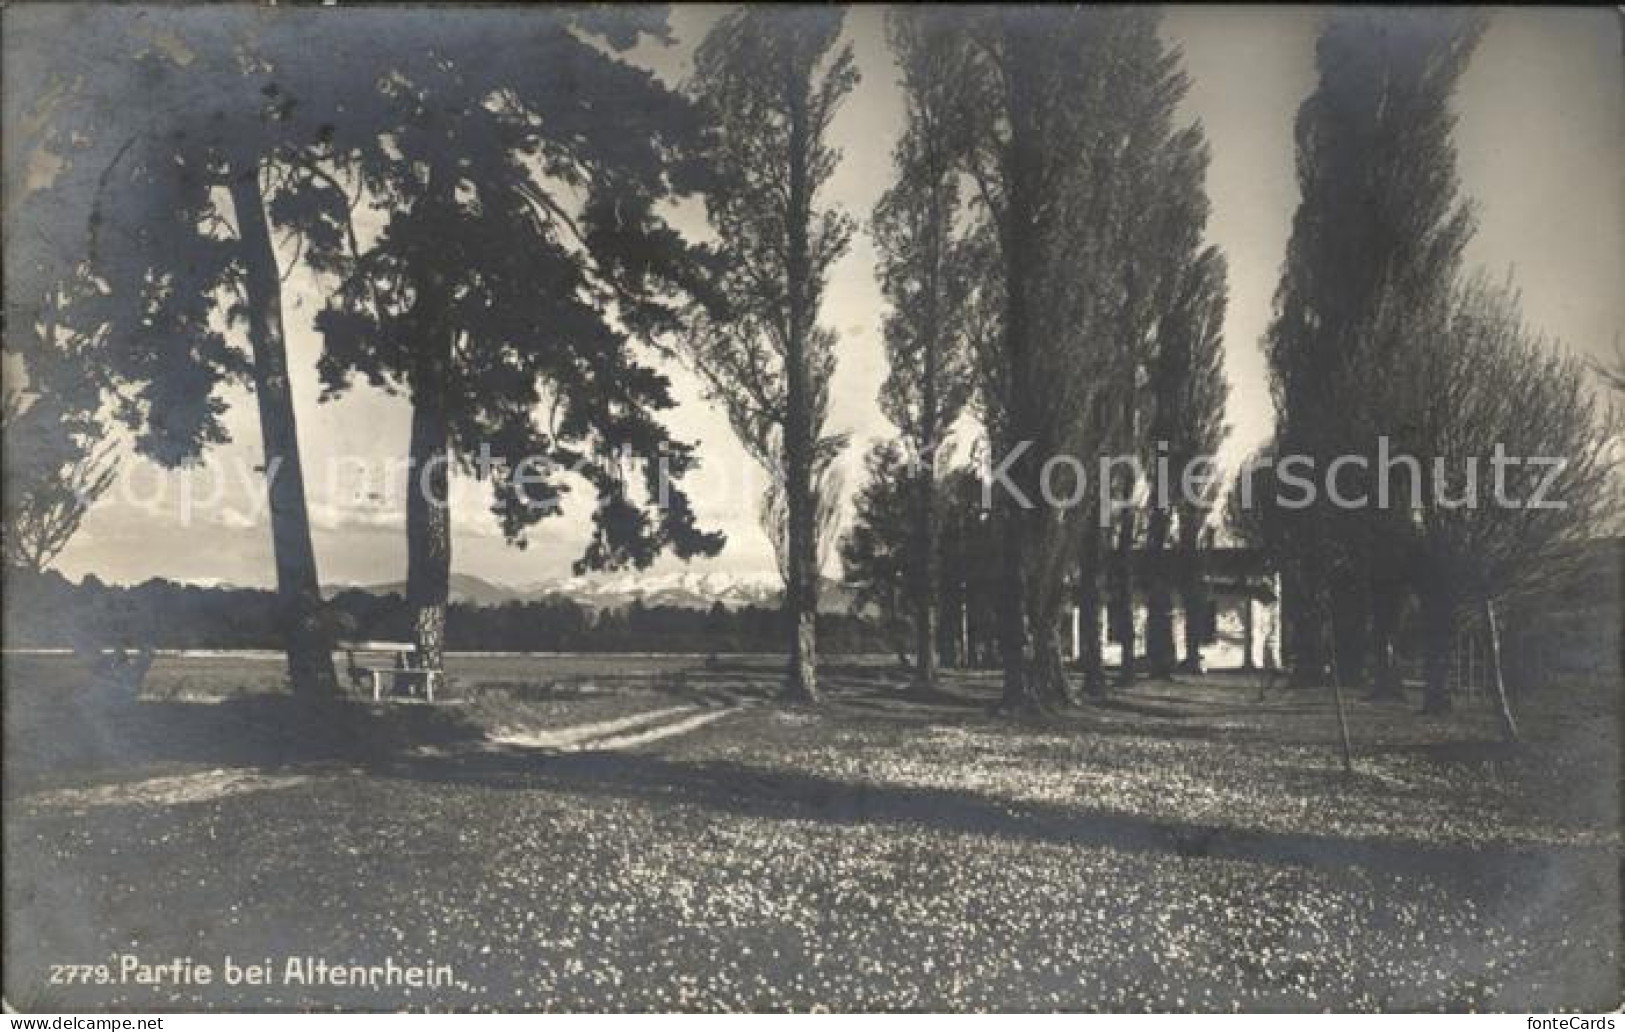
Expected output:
(681, 589)
(684, 589)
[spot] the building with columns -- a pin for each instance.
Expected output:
(1239, 616)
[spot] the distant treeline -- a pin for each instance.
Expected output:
(49, 611)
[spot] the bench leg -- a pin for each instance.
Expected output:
(430, 685)
(377, 685)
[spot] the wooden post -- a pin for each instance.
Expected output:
(965, 660)
(1509, 726)
(1342, 717)
(1458, 672)
(1247, 632)
(1469, 680)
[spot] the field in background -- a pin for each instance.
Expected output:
(612, 832)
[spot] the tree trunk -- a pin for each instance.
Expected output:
(1438, 618)
(801, 593)
(1248, 633)
(1159, 614)
(1091, 660)
(950, 651)
(925, 570)
(1509, 726)
(299, 598)
(1022, 267)
(1193, 597)
(1386, 598)
(1122, 603)
(428, 527)
(925, 633)
(428, 501)
(1015, 642)
(947, 626)
(967, 648)
(1469, 660)
(1303, 631)
(925, 504)
(1351, 608)
(1342, 714)
(1048, 674)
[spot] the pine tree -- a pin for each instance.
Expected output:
(508, 311)
(175, 155)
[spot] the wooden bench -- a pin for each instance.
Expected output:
(374, 676)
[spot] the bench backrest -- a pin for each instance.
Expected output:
(378, 646)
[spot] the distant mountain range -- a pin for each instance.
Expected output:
(685, 589)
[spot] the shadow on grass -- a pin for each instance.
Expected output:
(81, 733)
(778, 795)
(276, 731)
(75, 731)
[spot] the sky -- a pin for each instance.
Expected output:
(1540, 138)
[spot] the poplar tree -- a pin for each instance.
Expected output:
(770, 81)
(1375, 248)
(1069, 135)
(928, 270)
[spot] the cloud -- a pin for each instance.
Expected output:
(333, 518)
(231, 519)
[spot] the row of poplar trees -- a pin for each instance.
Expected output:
(475, 204)
(1042, 254)
(1379, 332)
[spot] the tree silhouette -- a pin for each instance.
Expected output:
(1487, 384)
(1375, 248)
(56, 466)
(775, 519)
(928, 271)
(878, 556)
(879, 561)
(1189, 393)
(1182, 405)
(222, 130)
(519, 263)
(771, 81)
(1070, 125)
(172, 153)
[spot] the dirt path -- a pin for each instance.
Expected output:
(165, 791)
(616, 735)
(620, 734)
